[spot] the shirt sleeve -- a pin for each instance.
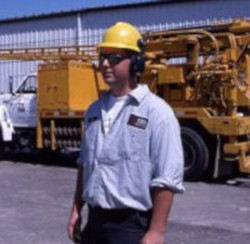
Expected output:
(167, 154)
(80, 159)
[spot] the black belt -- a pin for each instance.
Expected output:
(118, 211)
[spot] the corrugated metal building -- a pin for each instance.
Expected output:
(85, 26)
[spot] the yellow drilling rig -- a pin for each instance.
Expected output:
(204, 74)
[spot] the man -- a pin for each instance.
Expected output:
(131, 160)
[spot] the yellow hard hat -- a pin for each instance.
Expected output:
(121, 35)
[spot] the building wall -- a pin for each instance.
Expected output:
(59, 31)
(170, 12)
(87, 26)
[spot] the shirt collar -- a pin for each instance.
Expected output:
(139, 92)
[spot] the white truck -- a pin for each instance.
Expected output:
(19, 109)
(18, 114)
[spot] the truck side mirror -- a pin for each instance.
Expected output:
(11, 84)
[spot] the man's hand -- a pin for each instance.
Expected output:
(74, 225)
(153, 237)
(162, 201)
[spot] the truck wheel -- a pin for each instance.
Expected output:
(196, 154)
(2, 145)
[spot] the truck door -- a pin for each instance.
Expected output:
(22, 106)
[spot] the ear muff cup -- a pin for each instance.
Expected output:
(137, 65)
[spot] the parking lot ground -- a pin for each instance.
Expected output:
(36, 198)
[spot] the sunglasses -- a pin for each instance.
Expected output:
(113, 59)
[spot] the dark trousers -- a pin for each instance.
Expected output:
(123, 226)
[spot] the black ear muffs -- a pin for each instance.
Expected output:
(137, 65)
(141, 44)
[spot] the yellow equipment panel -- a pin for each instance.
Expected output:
(68, 86)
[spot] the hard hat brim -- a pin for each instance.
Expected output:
(117, 45)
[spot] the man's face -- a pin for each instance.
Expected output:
(114, 65)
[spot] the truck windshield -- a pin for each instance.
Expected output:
(28, 86)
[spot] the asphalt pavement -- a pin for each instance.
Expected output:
(36, 199)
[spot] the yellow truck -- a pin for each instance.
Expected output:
(203, 73)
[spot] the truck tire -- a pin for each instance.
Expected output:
(1, 145)
(196, 154)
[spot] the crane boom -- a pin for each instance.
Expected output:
(83, 52)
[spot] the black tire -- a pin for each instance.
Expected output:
(1, 145)
(196, 154)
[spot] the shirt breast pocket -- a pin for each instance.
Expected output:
(137, 141)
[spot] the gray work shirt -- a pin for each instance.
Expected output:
(142, 150)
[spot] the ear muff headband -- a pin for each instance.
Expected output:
(137, 65)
